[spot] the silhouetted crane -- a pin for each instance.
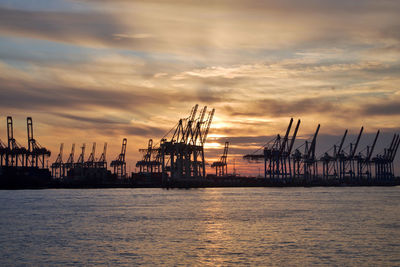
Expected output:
(221, 167)
(119, 163)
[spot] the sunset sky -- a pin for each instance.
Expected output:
(98, 71)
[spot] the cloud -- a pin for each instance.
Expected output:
(114, 125)
(283, 108)
(20, 95)
(145, 131)
(93, 28)
(93, 120)
(200, 31)
(383, 108)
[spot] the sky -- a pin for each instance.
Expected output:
(98, 71)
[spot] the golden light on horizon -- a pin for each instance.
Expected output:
(210, 145)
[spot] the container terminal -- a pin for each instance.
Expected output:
(178, 160)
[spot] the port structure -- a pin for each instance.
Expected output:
(57, 167)
(119, 164)
(332, 165)
(347, 165)
(305, 165)
(384, 168)
(69, 164)
(60, 169)
(90, 162)
(102, 162)
(221, 166)
(364, 163)
(3, 153)
(277, 154)
(151, 161)
(350, 165)
(80, 162)
(182, 156)
(338, 163)
(350, 160)
(13, 154)
(36, 154)
(16, 154)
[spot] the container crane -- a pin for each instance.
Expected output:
(364, 163)
(57, 166)
(102, 162)
(183, 155)
(36, 153)
(81, 159)
(119, 163)
(17, 154)
(90, 163)
(351, 160)
(221, 167)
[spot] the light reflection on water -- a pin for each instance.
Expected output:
(221, 226)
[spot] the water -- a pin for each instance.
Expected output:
(223, 226)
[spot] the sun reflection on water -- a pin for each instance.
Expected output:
(215, 233)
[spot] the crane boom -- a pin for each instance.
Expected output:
(293, 137)
(81, 158)
(31, 140)
(71, 155)
(387, 151)
(311, 150)
(395, 147)
(59, 157)
(123, 149)
(188, 132)
(225, 155)
(341, 143)
(92, 155)
(208, 124)
(103, 155)
(285, 139)
(353, 152)
(373, 146)
(10, 133)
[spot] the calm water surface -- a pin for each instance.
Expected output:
(224, 226)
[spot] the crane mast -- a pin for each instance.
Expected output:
(119, 164)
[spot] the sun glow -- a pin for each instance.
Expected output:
(216, 136)
(212, 145)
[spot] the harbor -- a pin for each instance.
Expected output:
(179, 160)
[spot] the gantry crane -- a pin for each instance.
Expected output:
(384, 168)
(17, 154)
(81, 159)
(119, 163)
(57, 169)
(305, 165)
(151, 159)
(36, 153)
(69, 164)
(221, 166)
(349, 162)
(277, 154)
(3, 153)
(331, 164)
(102, 162)
(90, 163)
(80, 167)
(183, 155)
(364, 163)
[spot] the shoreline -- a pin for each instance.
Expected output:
(213, 182)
